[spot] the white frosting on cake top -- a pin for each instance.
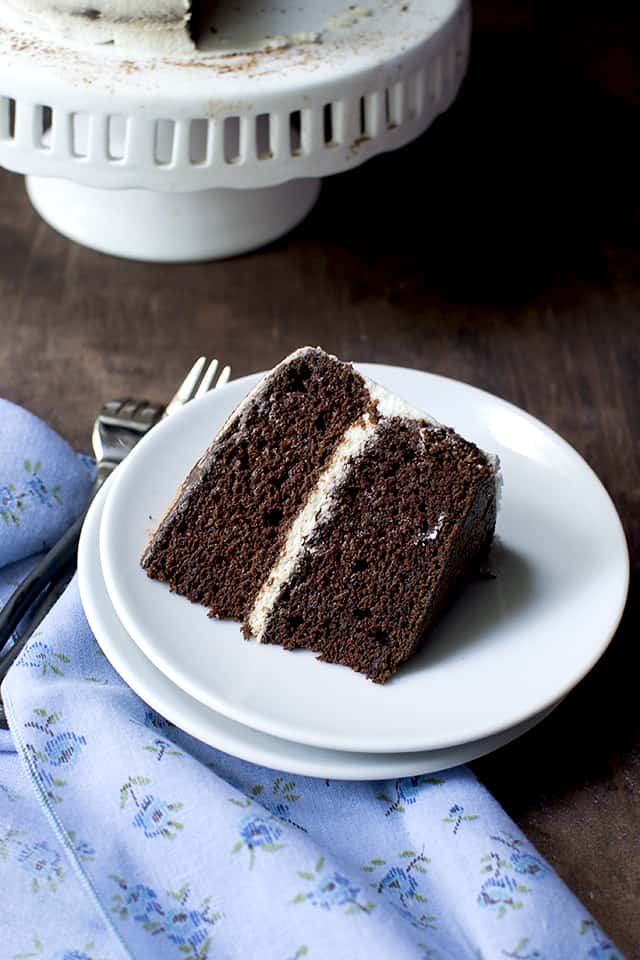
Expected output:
(391, 405)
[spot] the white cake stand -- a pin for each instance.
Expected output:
(173, 159)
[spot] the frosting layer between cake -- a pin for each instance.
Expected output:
(316, 507)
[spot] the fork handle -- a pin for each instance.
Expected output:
(48, 599)
(46, 572)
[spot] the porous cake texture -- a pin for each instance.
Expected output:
(329, 515)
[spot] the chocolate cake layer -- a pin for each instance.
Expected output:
(409, 523)
(227, 525)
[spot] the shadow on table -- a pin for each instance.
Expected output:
(586, 739)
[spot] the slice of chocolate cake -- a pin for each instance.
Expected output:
(329, 515)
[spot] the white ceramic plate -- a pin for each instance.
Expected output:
(508, 649)
(227, 735)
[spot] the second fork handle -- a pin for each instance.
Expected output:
(46, 571)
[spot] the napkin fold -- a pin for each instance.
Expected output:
(123, 837)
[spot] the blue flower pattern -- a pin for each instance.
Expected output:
(162, 748)
(64, 749)
(509, 868)
(154, 817)
(331, 890)
(259, 832)
(183, 925)
(334, 891)
(506, 865)
(17, 498)
(40, 861)
(458, 816)
(407, 791)
(41, 656)
(142, 902)
(399, 885)
(60, 752)
(153, 721)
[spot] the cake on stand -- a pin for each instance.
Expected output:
(209, 155)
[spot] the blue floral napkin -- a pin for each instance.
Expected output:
(120, 836)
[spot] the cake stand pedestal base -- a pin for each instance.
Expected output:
(172, 227)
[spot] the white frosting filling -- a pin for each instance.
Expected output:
(317, 508)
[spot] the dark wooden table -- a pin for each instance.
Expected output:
(502, 249)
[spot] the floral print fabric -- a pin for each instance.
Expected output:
(122, 837)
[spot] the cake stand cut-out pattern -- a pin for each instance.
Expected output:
(209, 156)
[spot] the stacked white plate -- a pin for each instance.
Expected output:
(510, 649)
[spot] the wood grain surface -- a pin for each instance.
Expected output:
(501, 249)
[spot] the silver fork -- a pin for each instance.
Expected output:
(122, 423)
(117, 429)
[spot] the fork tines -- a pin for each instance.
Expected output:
(197, 383)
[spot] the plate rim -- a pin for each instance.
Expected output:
(275, 728)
